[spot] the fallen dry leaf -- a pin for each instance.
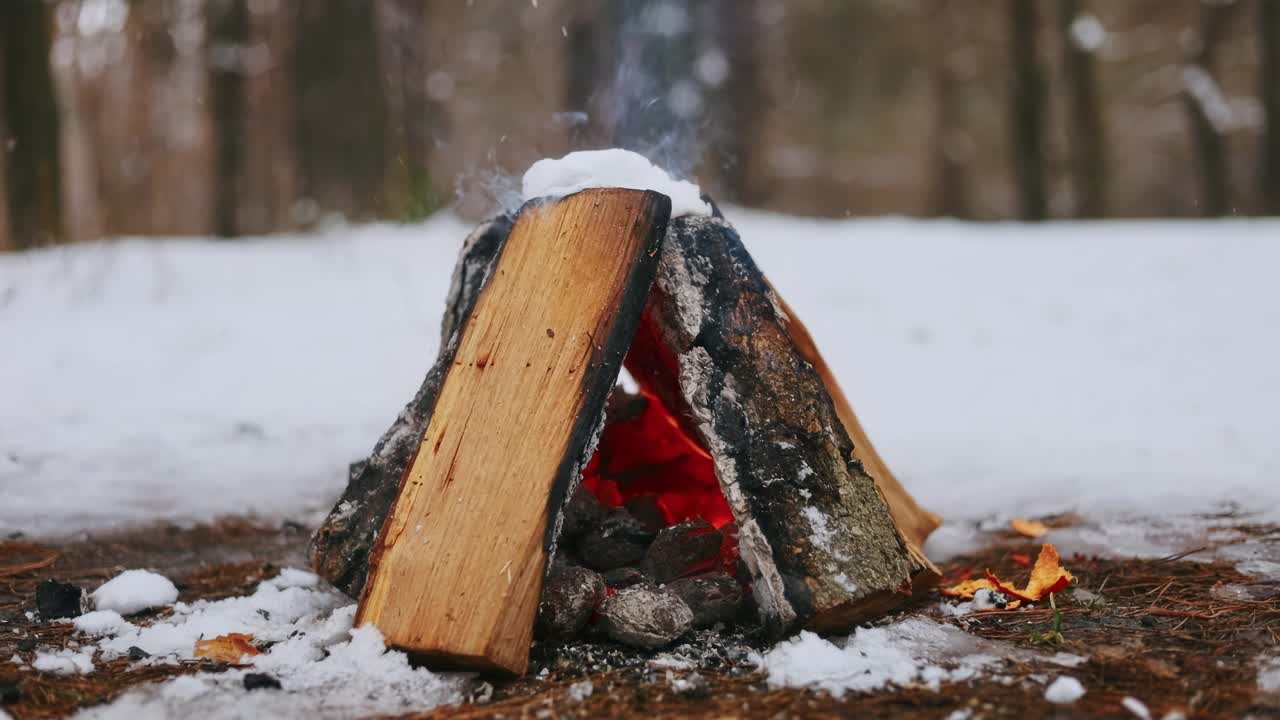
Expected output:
(1048, 576)
(228, 649)
(1028, 528)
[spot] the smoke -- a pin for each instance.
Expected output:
(650, 99)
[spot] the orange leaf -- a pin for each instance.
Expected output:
(1028, 528)
(228, 649)
(966, 589)
(1024, 560)
(1048, 576)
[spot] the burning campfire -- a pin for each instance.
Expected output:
(520, 488)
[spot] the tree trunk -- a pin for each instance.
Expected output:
(1269, 44)
(31, 123)
(228, 27)
(340, 103)
(1087, 134)
(950, 191)
(1026, 95)
(1202, 98)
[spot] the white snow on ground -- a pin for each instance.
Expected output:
(1111, 368)
(1269, 675)
(133, 591)
(910, 652)
(325, 668)
(64, 662)
(1064, 690)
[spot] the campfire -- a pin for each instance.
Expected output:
(522, 493)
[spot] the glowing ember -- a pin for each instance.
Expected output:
(649, 454)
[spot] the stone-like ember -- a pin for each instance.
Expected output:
(712, 598)
(569, 597)
(645, 617)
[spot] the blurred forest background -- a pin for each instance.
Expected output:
(235, 117)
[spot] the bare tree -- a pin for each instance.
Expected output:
(228, 28)
(340, 119)
(1206, 108)
(1269, 42)
(1026, 95)
(1087, 134)
(31, 123)
(950, 192)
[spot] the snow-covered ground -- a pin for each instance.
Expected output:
(1111, 368)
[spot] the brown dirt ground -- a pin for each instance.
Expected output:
(1162, 634)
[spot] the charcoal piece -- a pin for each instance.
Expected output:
(686, 548)
(27, 644)
(646, 509)
(712, 598)
(623, 577)
(9, 692)
(137, 653)
(260, 681)
(582, 513)
(56, 600)
(644, 617)
(619, 540)
(569, 595)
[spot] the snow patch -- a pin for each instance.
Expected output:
(610, 168)
(133, 591)
(1136, 707)
(326, 668)
(102, 622)
(1064, 691)
(1269, 675)
(914, 651)
(64, 662)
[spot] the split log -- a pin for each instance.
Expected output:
(340, 548)
(456, 572)
(815, 532)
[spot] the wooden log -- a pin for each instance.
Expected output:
(456, 573)
(814, 531)
(340, 548)
(915, 522)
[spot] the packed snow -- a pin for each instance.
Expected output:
(1001, 369)
(101, 622)
(1064, 690)
(324, 666)
(64, 662)
(557, 177)
(133, 591)
(911, 652)
(1269, 675)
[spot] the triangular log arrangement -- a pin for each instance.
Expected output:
(448, 529)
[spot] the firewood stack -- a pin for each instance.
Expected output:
(735, 486)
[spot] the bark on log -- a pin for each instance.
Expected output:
(814, 531)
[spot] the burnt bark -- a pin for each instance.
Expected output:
(340, 548)
(814, 531)
(30, 146)
(1026, 97)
